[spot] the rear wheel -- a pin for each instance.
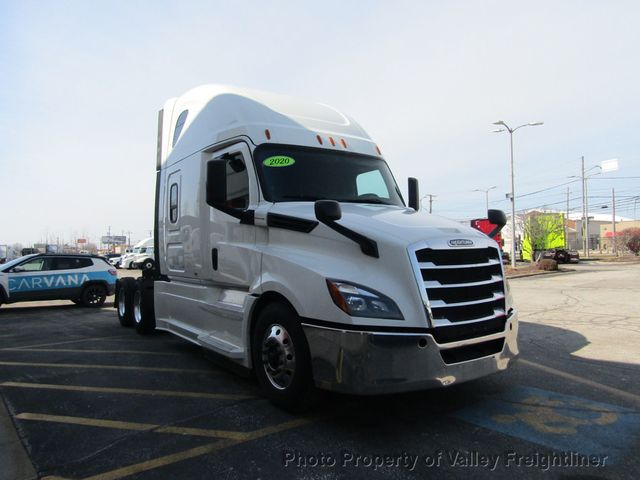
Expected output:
(144, 318)
(126, 288)
(93, 295)
(281, 358)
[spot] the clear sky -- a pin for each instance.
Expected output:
(81, 83)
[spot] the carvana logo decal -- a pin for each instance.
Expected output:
(45, 282)
(460, 242)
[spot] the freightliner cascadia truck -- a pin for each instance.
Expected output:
(283, 243)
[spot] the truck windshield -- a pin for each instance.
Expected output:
(294, 174)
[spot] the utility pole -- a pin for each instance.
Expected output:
(613, 220)
(585, 234)
(430, 202)
(566, 221)
(431, 197)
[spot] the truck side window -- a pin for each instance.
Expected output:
(173, 203)
(372, 183)
(237, 183)
(182, 118)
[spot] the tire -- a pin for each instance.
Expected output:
(281, 358)
(93, 295)
(124, 301)
(148, 264)
(144, 319)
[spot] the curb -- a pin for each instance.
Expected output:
(15, 462)
(540, 272)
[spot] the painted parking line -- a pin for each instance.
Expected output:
(165, 460)
(127, 391)
(561, 422)
(77, 350)
(106, 367)
(85, 339)
(575, 378)
(135, 426)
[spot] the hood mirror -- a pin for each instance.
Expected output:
(327, 211)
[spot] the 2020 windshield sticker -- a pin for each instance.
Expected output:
(278, 161)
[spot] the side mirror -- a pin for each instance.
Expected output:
(18, 269)
(216, 182)
(327, 211)
(498, 218)
(414, 194)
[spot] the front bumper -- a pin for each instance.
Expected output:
(367, 363)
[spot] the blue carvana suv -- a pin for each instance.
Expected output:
(83, 279)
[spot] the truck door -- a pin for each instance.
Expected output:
(231, 192)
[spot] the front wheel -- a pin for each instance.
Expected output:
(281, 358)
(93, 295)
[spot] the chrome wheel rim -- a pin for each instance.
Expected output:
(121, 302)
(278, 356)
(137, 310)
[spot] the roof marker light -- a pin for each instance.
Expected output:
(333, 142)
(344, 144)
(267, 134)
(378, 150)
(319, 139)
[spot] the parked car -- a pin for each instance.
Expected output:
(113, 258)
(561, 255)
(84, 279)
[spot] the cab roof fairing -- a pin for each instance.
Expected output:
(218, 113)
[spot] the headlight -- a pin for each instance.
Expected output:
(358, 301)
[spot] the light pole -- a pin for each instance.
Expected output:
(585, 204)
(486, 192)
(513, 196)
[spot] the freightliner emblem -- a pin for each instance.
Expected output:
(460, 242)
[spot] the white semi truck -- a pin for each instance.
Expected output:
(283, 243)
(143, 252)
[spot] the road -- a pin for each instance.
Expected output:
(90, 399)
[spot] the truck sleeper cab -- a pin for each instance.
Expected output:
(284, 244)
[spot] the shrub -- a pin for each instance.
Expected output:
(631, 238)
(548, 264)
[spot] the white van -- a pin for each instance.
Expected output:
(284, 244)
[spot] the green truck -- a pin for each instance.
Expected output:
(542, 231)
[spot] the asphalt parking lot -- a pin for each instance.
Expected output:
(90, 399)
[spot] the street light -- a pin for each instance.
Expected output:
(486, 192)
(513, 197)
(585, 204)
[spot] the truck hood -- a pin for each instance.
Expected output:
(391, 224)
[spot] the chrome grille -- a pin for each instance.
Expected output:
(462, 285)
